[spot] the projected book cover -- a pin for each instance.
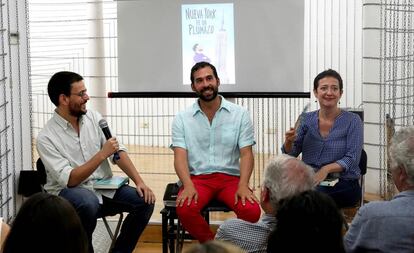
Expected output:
(208, 35)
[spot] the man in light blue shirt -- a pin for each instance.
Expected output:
(388, 226)
(213, 147)
(213, 157)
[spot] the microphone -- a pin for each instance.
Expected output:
(105, 129)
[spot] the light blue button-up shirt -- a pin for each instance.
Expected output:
(383, 226)
(213, 147)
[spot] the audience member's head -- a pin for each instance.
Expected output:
(4, 232)
(285, 176)
(402, 158)
(215, 247)
(308, 222)
(46, 223)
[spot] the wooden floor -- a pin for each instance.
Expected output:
(149, 247)
(151, 240)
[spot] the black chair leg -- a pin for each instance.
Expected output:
(113, 235)
(171, 243)
(164, 232)
(180, 237)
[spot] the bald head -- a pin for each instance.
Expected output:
(286, 176)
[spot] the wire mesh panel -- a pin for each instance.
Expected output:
(388, 60)
(75, 35)
(4, 124)
(397, 76)
(15, 135)
(333, 39)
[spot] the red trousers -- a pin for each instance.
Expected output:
(218, 186)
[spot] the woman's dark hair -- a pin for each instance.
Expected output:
(308, 222)
(328, 73)
(46, 223)
(61, 83)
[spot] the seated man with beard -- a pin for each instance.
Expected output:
(75, 153)
(213, 157)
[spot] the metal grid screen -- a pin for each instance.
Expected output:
(15, 133)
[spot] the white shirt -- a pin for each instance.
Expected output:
(62, 149)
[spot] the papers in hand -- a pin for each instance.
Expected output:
(111, 183)
(329, 182)
(301, 116)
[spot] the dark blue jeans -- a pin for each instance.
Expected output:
(346, 193)
(88, 208)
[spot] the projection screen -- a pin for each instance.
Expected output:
(256, 45)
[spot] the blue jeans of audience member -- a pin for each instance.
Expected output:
(346, 193)
(126, 199)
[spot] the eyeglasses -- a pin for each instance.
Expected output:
(82, 94)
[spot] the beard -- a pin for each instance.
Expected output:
(76, 111)
(210, 97)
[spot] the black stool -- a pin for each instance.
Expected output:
(173, 233)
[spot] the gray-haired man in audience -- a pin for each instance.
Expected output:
(388, 226)
(285, 176)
